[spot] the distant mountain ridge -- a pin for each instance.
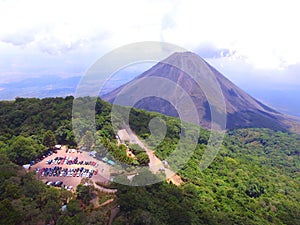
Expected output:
(41, 87)
(243, 111)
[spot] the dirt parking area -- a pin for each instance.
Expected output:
(101, 170)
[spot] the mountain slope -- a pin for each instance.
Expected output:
(242, 110)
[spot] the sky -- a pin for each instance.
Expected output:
(254, 43)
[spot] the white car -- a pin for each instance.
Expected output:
(70, 188)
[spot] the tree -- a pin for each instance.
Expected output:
(31, 187)
(143, 158)
(254, 190)
(61, 134)
(136, 149)
(51, 204)
(49, 139)
(88, 139)
(144, 217)
(3, 147)
(51, 210)
(23, 150)
(85, 193)
(8, 215)
(68, 220)
(12, 191)
(70, 139)
(144, 177)
(73, 207)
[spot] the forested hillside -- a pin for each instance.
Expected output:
(255, 178)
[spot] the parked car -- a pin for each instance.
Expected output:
(58, 183)
(50, 183)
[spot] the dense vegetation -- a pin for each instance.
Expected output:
(253, 180)
(25, 200)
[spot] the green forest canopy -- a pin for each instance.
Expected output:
(253, 180)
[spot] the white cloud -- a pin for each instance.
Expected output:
(263, 33)
(59, 25)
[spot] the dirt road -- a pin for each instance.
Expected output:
(155, 163)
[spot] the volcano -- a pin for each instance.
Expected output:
(242, 110)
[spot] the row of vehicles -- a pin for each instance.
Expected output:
(54, 183)
(59, 184)
(68, 160)
(66, 172)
